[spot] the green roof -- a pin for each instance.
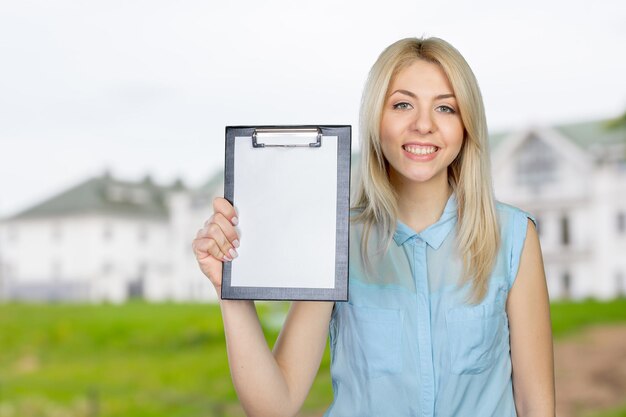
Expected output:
(105, 195)
(585, 134)
(600, 132)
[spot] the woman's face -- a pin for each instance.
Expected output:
(421, 131)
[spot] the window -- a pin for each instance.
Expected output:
(566, 284)
(127, 194)
(136, 286)
(139, 196)
(107, 268)
(621, 222)
(565, 232)
(116, 193)
(536, 164)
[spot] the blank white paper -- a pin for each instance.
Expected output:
(286, 199)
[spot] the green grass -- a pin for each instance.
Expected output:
(620, 412)
(149, 360)
(570, 317)
(138, 359)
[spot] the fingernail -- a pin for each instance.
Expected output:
(234, 221)
(227, 259)
(236, 243)
(233, 253)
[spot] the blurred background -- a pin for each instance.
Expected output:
(112, 119)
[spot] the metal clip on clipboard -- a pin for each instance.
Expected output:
(290, 131)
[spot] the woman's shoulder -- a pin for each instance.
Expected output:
(508, 213)
(513, 227)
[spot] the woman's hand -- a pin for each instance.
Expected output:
(217, 241)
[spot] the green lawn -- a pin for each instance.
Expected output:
(134, 360)
(145, 360)
(569, 317)
(621, 412)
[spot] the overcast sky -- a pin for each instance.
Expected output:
(146, 87)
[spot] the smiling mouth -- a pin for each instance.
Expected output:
(420, 150)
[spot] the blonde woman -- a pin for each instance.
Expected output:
(448, 312)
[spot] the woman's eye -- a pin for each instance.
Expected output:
(402, 106)
(445, 109)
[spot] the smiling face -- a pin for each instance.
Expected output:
(421, 131)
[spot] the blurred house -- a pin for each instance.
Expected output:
(111, 240)
(102, 240)
(573, 180)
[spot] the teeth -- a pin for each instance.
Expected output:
(420, 150)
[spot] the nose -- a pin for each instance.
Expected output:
(423, 123)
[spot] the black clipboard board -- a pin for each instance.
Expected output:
(291, 188)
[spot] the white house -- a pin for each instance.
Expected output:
(102, 240)
(573, 180)
(110, 240)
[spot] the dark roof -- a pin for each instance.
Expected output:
(106, 195)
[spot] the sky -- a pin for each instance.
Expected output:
(142, 87)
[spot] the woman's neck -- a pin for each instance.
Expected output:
(421, 204)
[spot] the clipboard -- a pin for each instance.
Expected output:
(290, 186)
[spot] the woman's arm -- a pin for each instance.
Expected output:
(268, 383)
(528, 309)
(275, 383)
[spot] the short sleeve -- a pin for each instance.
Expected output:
(518, 237)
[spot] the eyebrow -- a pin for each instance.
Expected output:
(410, 94)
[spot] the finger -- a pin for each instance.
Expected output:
(217, 234)
(227, 227)
(209, 220)
(204, 232)
(225, 236)
(229, 230)
(208, 247)
(221, 205)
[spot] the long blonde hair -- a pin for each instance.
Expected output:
(469, 174)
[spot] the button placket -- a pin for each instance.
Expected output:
(424, 335)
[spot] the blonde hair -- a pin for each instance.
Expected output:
(469, 174)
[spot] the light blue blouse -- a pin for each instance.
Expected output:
(407, 343)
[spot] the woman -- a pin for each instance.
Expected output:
(448, 312)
